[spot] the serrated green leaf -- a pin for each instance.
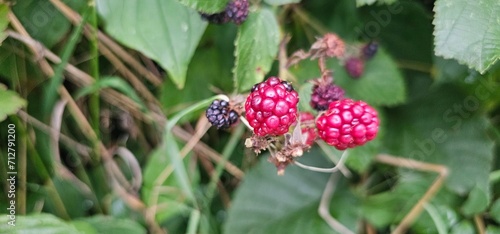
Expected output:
(38, 223)
(10, 102)
(281, 2)
(256, 47)
(442, 127)
(164, 30)
(477, 201)
(206, 6)
(380, 84)
(43, 21)
(111, 225)
(268, 203)
(468, 31)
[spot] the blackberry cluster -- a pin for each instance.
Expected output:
(220, 115)
(323, 95)
(236, 10)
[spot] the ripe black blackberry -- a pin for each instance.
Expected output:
(325, 93)
(219, 114)
(369, 50)
(237, 11)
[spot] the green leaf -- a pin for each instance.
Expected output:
(217, 73)
(4, 20)
(395, 27)
(211, 6)
(256, 48)
(10, 102)
(111, 225)
(111, 82)
(164, 30)
(361, 157)
(38, 223)
(495, 210)
(444, 127)
(380, 84)
(268, 203)
(305, 92)
(468, 32)
(43, 21)
(492, 230)
(464, 227)
(281, 2)
(477, 201)
(449, 70)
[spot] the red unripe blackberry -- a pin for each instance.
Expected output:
(347, 124)
(271, 107)
(355, 67)
(324, 94)
(220, 115)
(369, 50)
(237, 10)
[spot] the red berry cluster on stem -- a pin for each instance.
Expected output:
(347, 124)
(271, 107)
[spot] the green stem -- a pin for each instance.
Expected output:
(194, 221)
(57, 78)
(94, 67)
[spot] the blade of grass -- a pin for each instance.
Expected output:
(194, 221)
(57, 78)
(436, 217)
(94, 66)
(226, 153)
(173, 150)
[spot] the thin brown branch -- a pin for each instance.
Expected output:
(121, 101)
(428, 195)
(105, 41)
(478, 220)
